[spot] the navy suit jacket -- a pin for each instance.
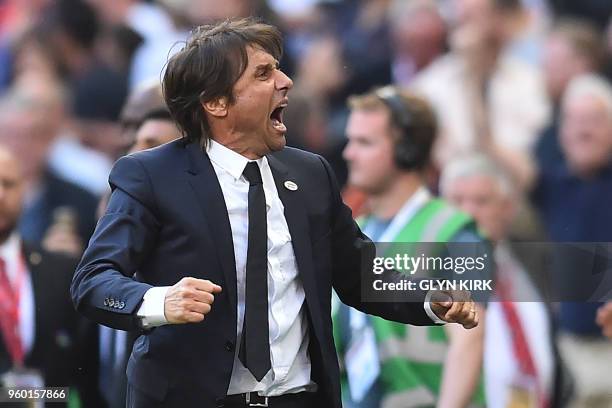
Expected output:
(167, 219)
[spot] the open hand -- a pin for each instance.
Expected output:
(455, 306)
(189, 300)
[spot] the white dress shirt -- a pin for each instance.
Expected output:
(10, 252)
(289, 335)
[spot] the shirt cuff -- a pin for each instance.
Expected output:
(151, 311)
(428, 310)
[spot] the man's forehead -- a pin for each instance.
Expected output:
(378, 117)
(9, 167)
(258, 56)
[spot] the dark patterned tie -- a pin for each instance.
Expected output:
(255, 345)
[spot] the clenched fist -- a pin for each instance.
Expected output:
(189, 300)
(455, 306)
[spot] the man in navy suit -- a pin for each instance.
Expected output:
(223, 247)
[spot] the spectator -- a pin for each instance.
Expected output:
(28, 131)
(73, 29)
(486, 100)
(16, 18)
(418, 35)
(96, 103)
(519, 331)
(38, 323)
(574, 201)
(33, 56)
(573, 48)
(365, 41)
(417, 366)
(157, 128)
(143, 99)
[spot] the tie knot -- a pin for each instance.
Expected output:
(252, 174)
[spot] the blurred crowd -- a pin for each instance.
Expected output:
(521, 93)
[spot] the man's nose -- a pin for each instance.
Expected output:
(283, 81)
(347, 153)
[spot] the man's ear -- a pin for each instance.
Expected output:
(216, 107)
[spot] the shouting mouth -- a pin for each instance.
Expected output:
(276, 117)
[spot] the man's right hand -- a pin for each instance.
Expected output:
(189, 300)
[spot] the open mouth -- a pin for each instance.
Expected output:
(276, 117)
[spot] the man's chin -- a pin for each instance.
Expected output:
(366, 188)
(278, 143)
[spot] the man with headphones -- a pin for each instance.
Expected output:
(390, 136)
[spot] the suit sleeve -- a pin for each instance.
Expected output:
(103, 287)
(353, 256)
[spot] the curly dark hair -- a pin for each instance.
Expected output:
(207, 68)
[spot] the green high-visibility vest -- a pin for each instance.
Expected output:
(412, 357)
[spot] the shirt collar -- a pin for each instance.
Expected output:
(420, 197)
(11, 247)
(230, 161)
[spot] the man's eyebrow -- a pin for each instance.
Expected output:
(269, 65)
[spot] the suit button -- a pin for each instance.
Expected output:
(229, 346)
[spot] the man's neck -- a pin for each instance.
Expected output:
(236, 142)
(586, 173)
(388, 203)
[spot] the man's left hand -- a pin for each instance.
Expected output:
(455, 306)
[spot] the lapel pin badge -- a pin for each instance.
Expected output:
(290, 185)
(35, 258)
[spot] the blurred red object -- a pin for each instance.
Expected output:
(355, 199)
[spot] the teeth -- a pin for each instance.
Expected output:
(276, 124)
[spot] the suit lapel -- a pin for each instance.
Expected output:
(205, 184)
(299, 229)
(40, 295)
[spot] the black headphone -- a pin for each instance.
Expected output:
(408, 154)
